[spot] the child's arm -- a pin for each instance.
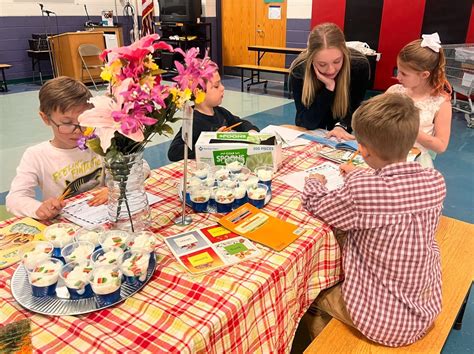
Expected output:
(336, 207)
(442, 130)
(245, 125)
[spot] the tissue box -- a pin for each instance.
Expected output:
(252, 149)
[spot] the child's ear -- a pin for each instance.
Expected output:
(45, 118)
(425, 74)
(363, 150)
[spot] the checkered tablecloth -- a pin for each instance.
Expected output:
(253, 306)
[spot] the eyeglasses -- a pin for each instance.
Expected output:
(67, 128)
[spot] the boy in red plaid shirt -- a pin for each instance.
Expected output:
(392, 287)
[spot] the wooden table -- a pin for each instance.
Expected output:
(253, 306)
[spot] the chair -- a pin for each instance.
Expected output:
(89, 52)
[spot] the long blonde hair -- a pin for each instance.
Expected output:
(421, 59)
(323, 36)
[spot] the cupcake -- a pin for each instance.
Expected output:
(144, 240)
(60, 235)
(35, 252)
(105, 282)
(44, 277)
(91, 236)
(112, 256)
(77, 251)
(114, 238)
(76, 276)
(135, 266)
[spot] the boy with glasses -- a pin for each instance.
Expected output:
(57, 166)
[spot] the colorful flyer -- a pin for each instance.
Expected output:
(210, 248)
(13, 236)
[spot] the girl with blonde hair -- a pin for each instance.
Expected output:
(328, 82)
(421, 73)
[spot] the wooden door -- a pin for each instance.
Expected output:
(271, 31)
(246, 22)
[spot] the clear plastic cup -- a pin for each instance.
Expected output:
(105, 282)
(77, 251)
(256, 194)
(92, 235)
(241, 176)
(60, 235)
(35, 252)
(112, 256)
(212, 197)
(76, 277)
(252, 180)
(210, 182)
(145, 240)
(234, 166)
(240, 193)
(200, 170)
(200, 199)
(227, 183)
(135, 266)
(220, 173)
(191, 183)
(224, 199)
(44, 277)
(265, 174)
(114, 238)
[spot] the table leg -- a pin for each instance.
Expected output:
(4, 81)
(40, 73)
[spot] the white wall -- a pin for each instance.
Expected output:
(299, 9)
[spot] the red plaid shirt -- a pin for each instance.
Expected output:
(391, 260)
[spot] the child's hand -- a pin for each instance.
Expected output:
(340, 134)
(318, 177)
(345, 168)
(49, 208)
(222, 129)
(100, 197)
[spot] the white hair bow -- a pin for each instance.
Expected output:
(431, 41)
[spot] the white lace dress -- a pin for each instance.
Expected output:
(428, 107)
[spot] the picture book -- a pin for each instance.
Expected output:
(261, 227)
(13, 236)
(329, 170)
(342, 156)
(210, 248)
(319, 136)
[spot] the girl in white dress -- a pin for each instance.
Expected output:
(421, 73)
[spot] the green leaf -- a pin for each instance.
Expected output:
(94, 145)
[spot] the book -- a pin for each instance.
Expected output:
(342, 156)
(210, 248)
(14, 236)
(319, 137)
(261, 227)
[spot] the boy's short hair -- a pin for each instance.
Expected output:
(62, 94)
(388, 124)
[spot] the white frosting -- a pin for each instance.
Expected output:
(110, 257)
(106, 280)
(80, 253)
(136, 265)
(144, 240)
(239, 192)
(252, 180)
(39, 253)
(59, 235)
(221, 174)
(264, 175)
(45, 274)
(228, 183)
(234, 166)
(210, 181)
(201, 173)
(114, 239)
(224, 196)
(89, 236)
(257, 193)
(79, 277)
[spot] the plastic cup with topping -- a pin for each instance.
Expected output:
(265, 174)
(200, 170)
(114, 238)
(220, 173)
(224, 199)
(227, 183)
(240, 193)
(234, 166)
(76, 277)
(252, 180)
(212, 197)
(256, 194)
(60, 235)
(106, 281)
(200, 199)
(135, 266)
(92, 235)
(77, 251)
(241, 176)
(145, 240)
(35, 252)
(44, 277)
(210, 182)
(112, 256)
(191, 183)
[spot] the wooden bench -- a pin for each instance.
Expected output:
(456, 241)
(3, 82)
(255, 71)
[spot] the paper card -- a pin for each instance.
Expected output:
(236, 250)
(202, 260)
(186, 242)
(187, 130)
(218, 233)
(329, 170)
(467, 79)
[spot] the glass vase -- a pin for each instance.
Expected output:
(128, 207)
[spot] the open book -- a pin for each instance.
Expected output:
(319, 136)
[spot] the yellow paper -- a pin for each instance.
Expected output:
(218, 231)
(200, 259)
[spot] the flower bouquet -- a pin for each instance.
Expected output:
(137, 106)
